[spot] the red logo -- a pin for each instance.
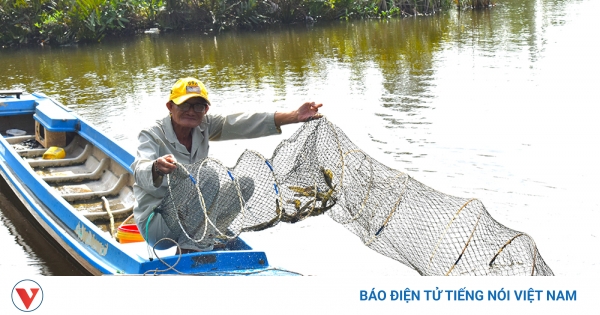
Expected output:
(27, 295)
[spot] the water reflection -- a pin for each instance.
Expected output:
(402, 50)
(24, 250)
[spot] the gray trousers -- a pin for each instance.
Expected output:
(222, 207)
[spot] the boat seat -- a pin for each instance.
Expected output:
(33, 153)
(63, 162)
(94, 175)
(19, 139)
(15, 142)
(98, 194)
(103, 215)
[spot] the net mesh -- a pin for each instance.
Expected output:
(319, 170)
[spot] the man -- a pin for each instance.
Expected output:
(183, 136)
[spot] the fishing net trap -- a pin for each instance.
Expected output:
(319, 171)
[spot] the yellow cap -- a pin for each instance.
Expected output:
(187, 88)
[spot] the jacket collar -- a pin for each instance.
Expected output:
(197, 133)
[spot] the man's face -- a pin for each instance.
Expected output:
(190, 113)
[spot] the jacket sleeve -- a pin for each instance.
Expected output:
(147, 152)
(242, 126)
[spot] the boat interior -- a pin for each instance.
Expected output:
(92, 182)
(85, 177)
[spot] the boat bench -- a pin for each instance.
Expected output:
(52, 123)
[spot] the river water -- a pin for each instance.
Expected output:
(496, 105)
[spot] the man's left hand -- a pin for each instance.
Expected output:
(309, 111)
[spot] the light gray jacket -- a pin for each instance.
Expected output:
(160, 139)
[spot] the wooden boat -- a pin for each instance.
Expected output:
(80, 199)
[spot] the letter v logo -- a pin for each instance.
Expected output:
(27, 295)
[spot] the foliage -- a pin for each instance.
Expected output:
(65, 21)
(184, 14)
(473, 4)
(100, 17)
(148, 9)
(247, 15)
(17, 20)
(53, 28)
(288, 11)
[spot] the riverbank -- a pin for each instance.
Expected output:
(43, 22)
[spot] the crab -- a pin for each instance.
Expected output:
(326, 199)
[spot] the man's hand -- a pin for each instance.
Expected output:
(306, 112)
(309, 111)
(164, 165)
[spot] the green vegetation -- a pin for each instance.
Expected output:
(57, 22)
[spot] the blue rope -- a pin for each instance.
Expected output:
(269, 165)
(148, 223)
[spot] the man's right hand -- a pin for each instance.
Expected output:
(165, 164)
